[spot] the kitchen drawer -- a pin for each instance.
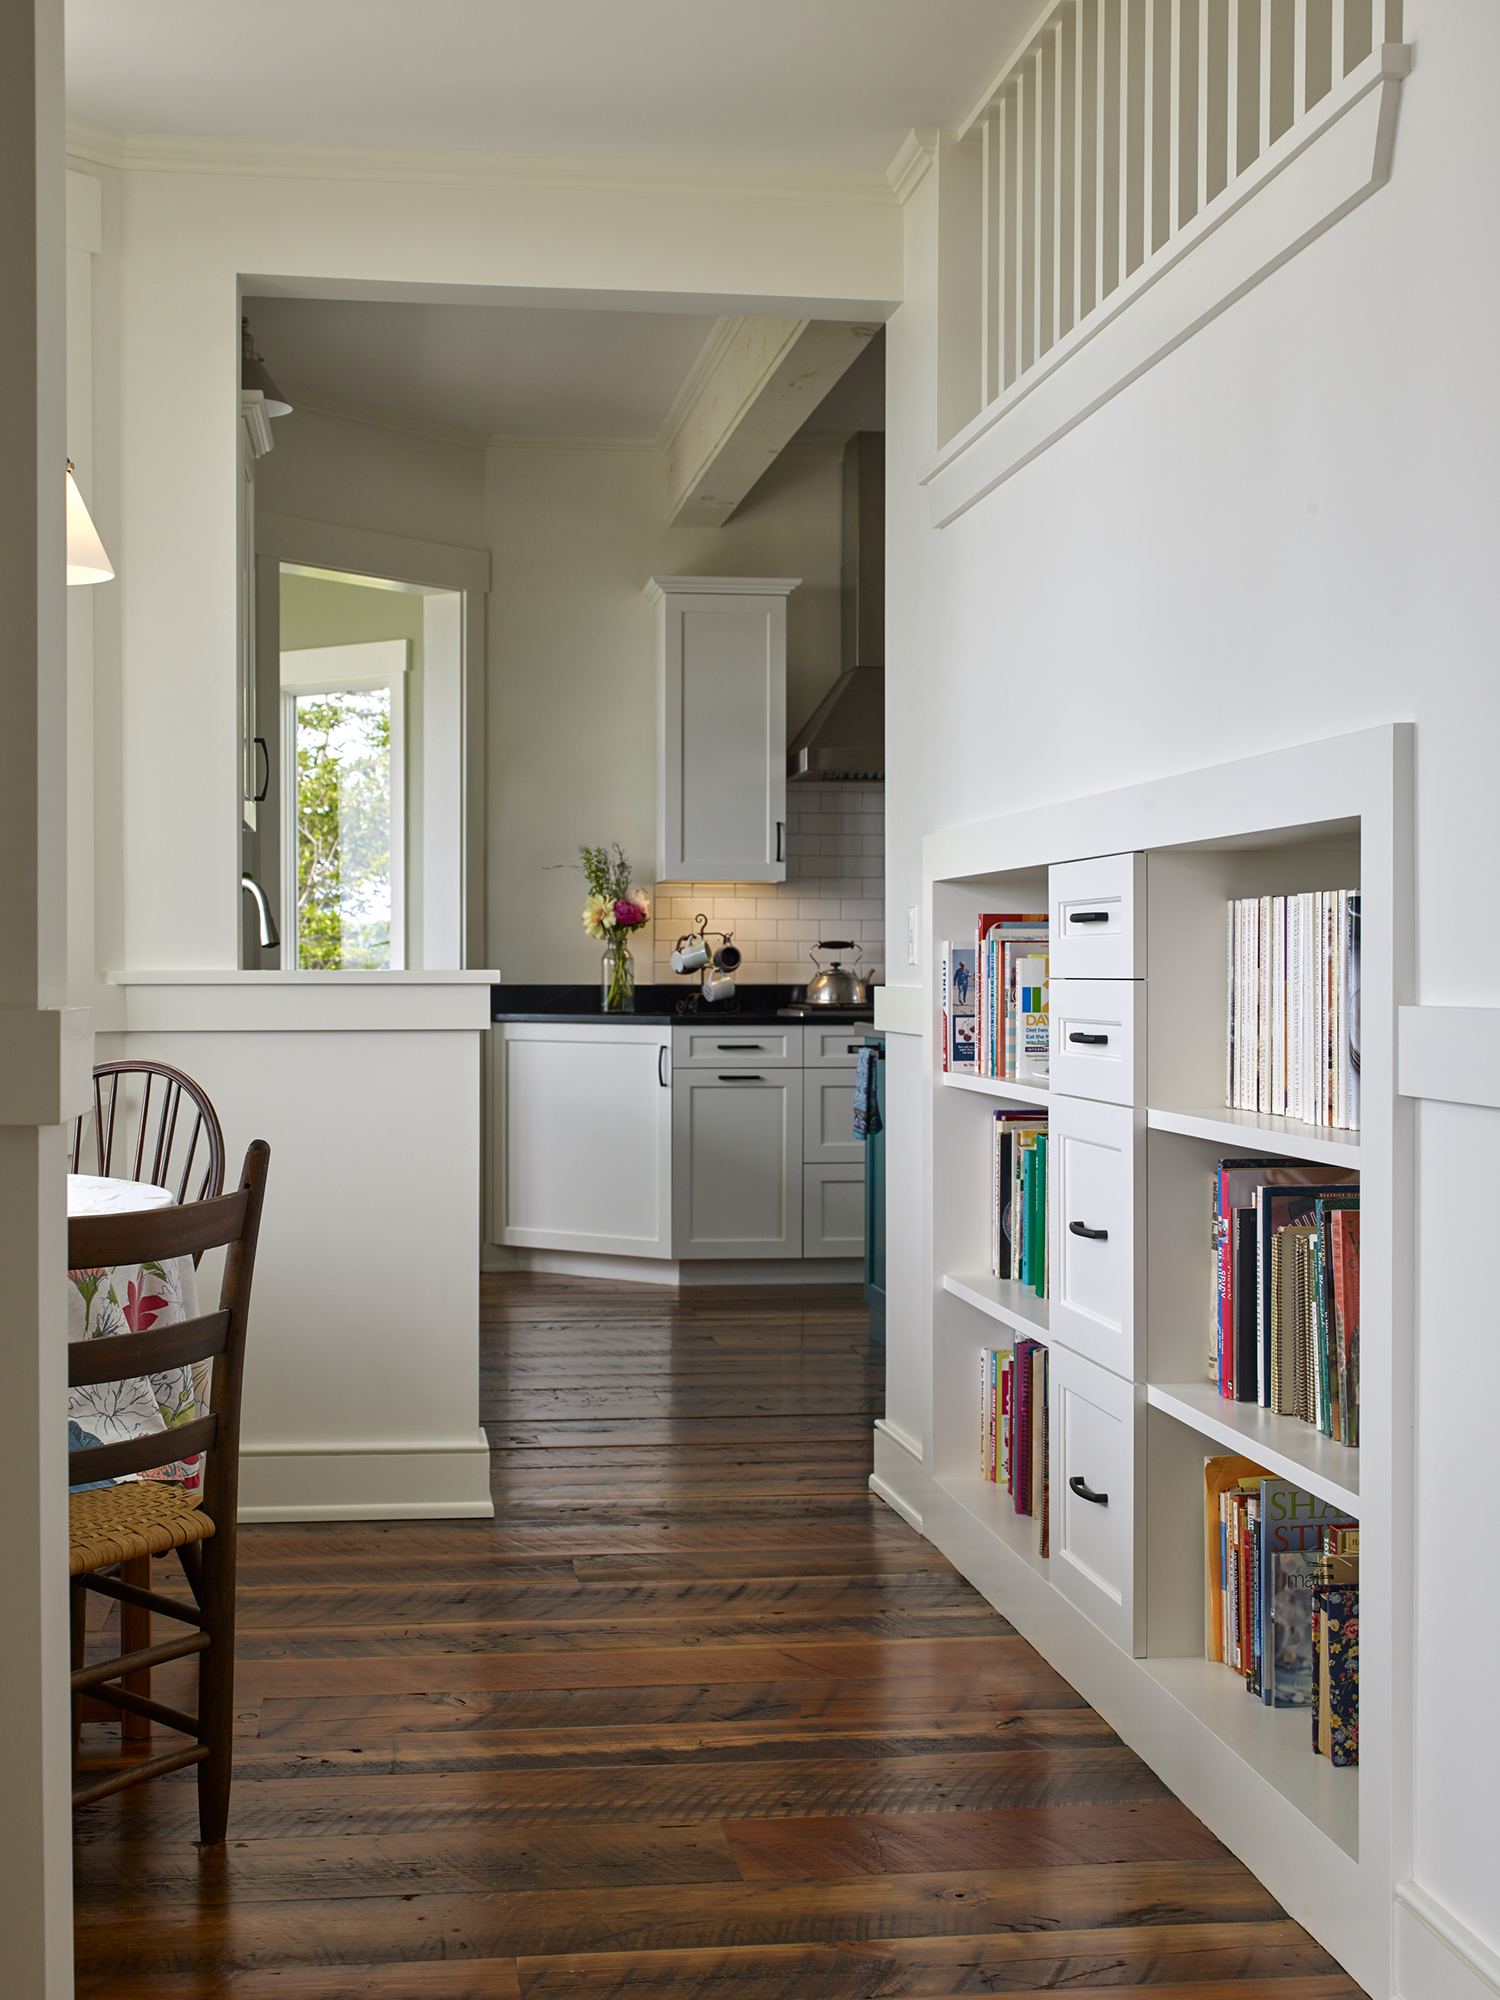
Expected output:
(1098, 1039)
(1096, 1164)
(821, 1046)
(833, 1211)
(1097, 1443)
(1097, 918)
(731, 1047)
(828, 1118)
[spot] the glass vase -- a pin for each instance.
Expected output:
(617, 978)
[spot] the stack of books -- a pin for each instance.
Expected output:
(1283, 1597)
(1293, 1007)
(995, 999)
(1013, 1428)
(1018, 1199)
(1285, 1328)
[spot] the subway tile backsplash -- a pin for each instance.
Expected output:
(835, 887)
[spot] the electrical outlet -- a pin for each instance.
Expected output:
(911, 933)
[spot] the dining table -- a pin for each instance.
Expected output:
(131, 1298)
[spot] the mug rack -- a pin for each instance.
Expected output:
(715, 969)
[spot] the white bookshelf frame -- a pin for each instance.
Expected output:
(1330, 1844)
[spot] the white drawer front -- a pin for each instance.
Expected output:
(822, 1046)
(1097, 1427)
(1097, 918)
(1096, 1156)
(730, 1047)
(833, 1211)
(1097, 1032)
(828, 1118)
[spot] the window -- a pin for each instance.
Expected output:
(343, 849)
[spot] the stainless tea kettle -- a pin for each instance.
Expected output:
(832, 986)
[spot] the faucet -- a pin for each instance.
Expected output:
(269, 936)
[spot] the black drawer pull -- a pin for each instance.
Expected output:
(740, 1076)
(737, 1048)
(1094, 1235)
(1094, 1041)
(1088, 916)
(1098, 1499)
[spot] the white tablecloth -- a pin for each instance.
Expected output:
(132, 1298)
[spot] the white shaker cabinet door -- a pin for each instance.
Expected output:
(586, 1117)
(721, 726)
(737, 1163)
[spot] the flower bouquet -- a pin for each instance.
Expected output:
(612, 912)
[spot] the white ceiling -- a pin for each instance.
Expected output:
(810, 84)
(520, 371)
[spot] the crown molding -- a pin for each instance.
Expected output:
(500, 441)
(386, 420)
(914, 156)
(286, 160)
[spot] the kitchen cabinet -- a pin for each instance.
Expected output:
(737, 1162)
(585, 1138)
(833, 1210)
(721, 728)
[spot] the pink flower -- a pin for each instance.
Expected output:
(629, 916)
(142, 1307)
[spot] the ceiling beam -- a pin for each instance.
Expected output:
(756, 383)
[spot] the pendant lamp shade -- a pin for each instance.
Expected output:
(87, 562)
(254, 374)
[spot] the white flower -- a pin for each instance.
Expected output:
(599, 916)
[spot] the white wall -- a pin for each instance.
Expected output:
(189, 236)
(1285, 530)
(575, 534)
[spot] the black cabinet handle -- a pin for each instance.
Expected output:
(1088, 916)
(265, 783)
(736, 1048)
(661, 1065)
(1092, 1040)
(741, 1077)
(1098, 1499)
(780, 839)
(1094, 1235)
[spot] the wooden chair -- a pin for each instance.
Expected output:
(118, 1524)
(171, 1151)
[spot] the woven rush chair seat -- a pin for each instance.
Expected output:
(116, 1524)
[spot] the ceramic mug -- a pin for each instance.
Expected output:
(728, 957)
(717, 985)
(691, 956)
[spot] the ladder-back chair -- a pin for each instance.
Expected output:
(166, 1144)
(116, 1525)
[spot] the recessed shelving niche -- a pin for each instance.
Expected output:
(1327, 815)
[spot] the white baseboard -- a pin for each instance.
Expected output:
(1437, 1957)
(910, 1445)
(893, 1500)
(344, 1482)
(680, 1273)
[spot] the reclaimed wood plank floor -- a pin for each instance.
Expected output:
(694, 1716)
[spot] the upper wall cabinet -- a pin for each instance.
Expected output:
(721, 728)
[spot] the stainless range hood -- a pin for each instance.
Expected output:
(844, 741)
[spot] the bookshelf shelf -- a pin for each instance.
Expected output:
(993, 1508)
(1003, 1299)
(1272, 1742)
(1239, 1129)
(995, 1086)
(1284, 1445)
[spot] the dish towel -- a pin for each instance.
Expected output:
(866, 1105)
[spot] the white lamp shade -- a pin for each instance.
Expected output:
(87, 562)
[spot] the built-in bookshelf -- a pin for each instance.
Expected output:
(1125, 1620)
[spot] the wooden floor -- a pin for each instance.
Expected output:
(695, 1715)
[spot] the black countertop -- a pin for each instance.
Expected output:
(752, 1007)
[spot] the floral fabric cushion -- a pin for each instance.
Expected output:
(131, 1298)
